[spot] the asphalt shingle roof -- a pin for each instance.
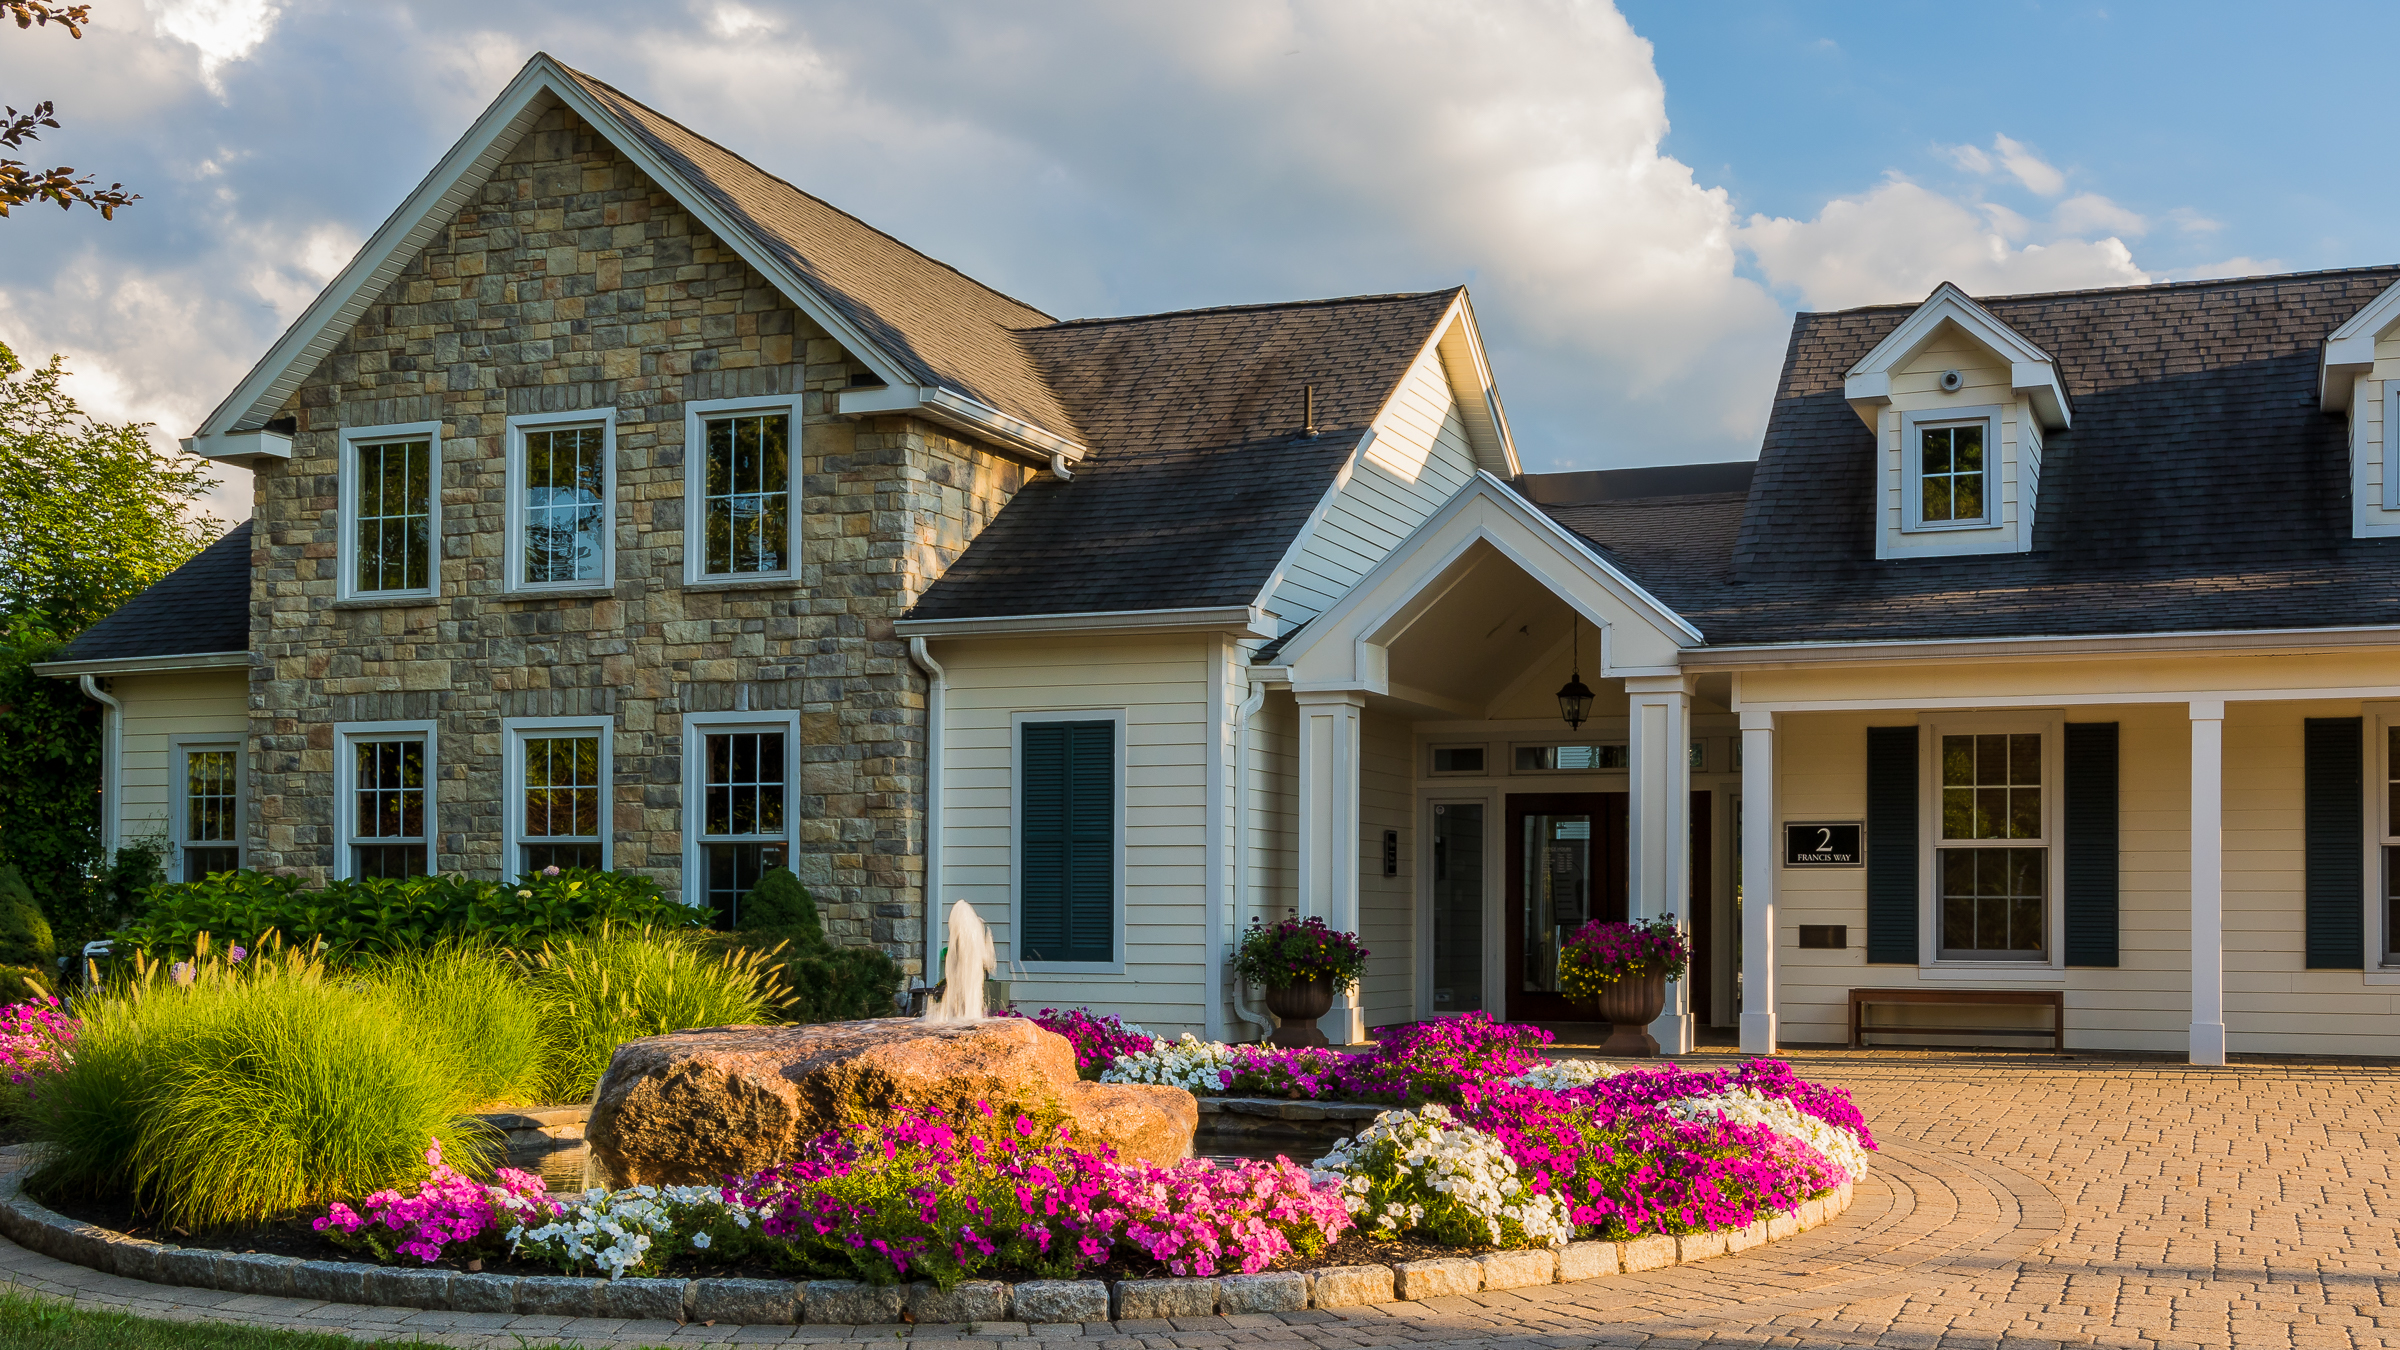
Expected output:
(946, 327)
(1200, 476)
(2201, 487)
(202, 606)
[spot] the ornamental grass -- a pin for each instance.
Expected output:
(599, 990)
(482, 1010)
(224, 1091)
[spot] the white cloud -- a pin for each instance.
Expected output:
(1901, 240)
(222, 31)
(2091, 213)
(2029, 168)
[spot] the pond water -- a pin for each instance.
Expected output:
(1233, 1147)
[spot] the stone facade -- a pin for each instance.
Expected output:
(573, 282)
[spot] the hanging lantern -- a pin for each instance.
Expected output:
(1575, 697)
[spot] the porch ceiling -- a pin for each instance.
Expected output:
(1494, 633)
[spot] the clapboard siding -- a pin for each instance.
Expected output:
(157, 709)
(1420, 458)
(1162, 685)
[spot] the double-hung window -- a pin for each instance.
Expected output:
(1069, 822)
(738, 784)
(2387, 805)
(384, 783)
(1951, 465)
(391, 511)
(208, 812)
(561, 493)
(1992, 851)
(557, 808)
(742, 490)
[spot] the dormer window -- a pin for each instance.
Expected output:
(1959, 403)
(1952, 487)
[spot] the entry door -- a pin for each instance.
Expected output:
(1566, 865)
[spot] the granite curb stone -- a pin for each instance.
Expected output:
(774, 1303)
(1520, 1269)
(1055, 1301)
(1435, 1277)
(555, 1296)
(643, 1300)
(968, 1301)
(1589, 1261)
(1275, 1292)
(1153, 1300)
(1350, 1286)
(848, 1303)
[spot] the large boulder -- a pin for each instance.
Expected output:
(695, 1106)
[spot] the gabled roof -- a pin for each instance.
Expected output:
(942, 342)
(2350, 349)
(2201, 488)
(2032, 372)
(200, 609)
(1200, 474)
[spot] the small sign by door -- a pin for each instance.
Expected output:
(1824, 843)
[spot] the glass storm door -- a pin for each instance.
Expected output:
(1566, 866)
(1458, 880)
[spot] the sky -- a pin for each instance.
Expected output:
(1638, 197)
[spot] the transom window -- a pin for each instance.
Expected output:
(565, 507)
(1950, 466)
(388, 807)
(564, 801)
(1569, 758)
(1992, 865)
(392, 531)
(746, 495)
(212, 812)
(743, 834)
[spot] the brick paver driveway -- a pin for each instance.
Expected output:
(2019, 1201)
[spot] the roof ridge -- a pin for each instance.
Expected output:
(1389, 297)
(785, 182)
(2367, 269)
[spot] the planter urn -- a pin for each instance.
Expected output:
(1629, 1006)
(1297, 1008)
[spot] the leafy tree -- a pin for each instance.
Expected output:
(19, 184)
(89, 512)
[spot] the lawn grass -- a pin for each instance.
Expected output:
(29, 1323)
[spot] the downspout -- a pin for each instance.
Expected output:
(112, 721)
(1241, 839)
(937, 688)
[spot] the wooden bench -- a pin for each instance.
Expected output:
(2054, 1000)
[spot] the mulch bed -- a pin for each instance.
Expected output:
(292, 1236)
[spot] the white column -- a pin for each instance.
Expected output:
(1660, 829)
(1759, 863)
(1329, 830)
(2208, 881)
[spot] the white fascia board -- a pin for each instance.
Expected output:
(2106, 646)
(1244, 620)
(142, 665)
(240, 447)
(2032, 370)
(452, 184)
(1485, 487)
(960, 412)
(2350, 349)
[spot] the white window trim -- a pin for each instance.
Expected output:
(696, 726)
(345, 783)
(696, 413)
(2377, 721)
(1930, 963)
(514, 732)
(179, 816)
(346, 508)
(514, 572)
(1016, 822)
(1495, 893)
(1912, 480)
(2390, 449)
(1487, 771)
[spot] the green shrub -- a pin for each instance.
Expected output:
(251, 1092)
(24, 934)
(821, 982)
(474, 1005)
(367, 917)
(24, 984)
(602, 989)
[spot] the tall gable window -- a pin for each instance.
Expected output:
(742, 491)
(1068, 792)
(390, 505)
(561, 481)
(384, 788)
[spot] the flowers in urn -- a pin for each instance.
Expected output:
(1599, 954)
(1299, 951)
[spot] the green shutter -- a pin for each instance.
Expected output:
(2090, 838)
(1892, 845)
(2336, 842)
(1067, 842)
